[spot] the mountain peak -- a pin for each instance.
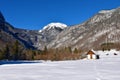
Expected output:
(2, 19)
(109, 11)
(103, 15)
(54, 25)
(1, 16)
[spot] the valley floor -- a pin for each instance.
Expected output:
(107, 68)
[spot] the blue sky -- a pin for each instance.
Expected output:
(35, 14)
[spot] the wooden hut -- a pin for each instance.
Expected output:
(91, 55)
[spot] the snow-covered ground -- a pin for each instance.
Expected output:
(106, 68)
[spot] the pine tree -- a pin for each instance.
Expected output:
(1, 55)
(6, 52)
(69, 49)
(16, 50)
(29, 55)
(45, 50)
(75, 51)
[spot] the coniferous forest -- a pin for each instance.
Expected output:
(17, 52)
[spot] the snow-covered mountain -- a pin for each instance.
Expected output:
(54, 25)
(49, 33)
(101, 28)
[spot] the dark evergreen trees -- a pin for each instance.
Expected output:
(1, 55)
(75, 51)
(6, 52)
(15, 50)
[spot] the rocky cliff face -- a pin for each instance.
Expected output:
(102, 28)
(9, 34)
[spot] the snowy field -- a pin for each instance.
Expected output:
(106, 68)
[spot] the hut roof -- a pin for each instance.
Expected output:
(90, 52)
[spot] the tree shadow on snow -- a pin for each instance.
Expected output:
(18, 62)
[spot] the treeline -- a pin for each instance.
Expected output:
(109, 46)
(65, 53)
(12, 51)
(17, 52)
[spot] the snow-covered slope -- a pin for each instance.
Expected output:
(102, 15)
(102, 69)
(107, 11)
